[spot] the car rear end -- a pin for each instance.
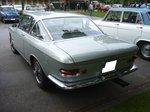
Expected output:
(93, 64)
(72, 76)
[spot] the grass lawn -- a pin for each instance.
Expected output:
(98, 14)
(138, 103)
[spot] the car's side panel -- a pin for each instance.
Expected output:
(17, 37)
(109, 28)
(146, 33)
(129, 32)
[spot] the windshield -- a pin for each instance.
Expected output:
(7, 8)
(65, 28)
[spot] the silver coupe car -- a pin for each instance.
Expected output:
(70, 50)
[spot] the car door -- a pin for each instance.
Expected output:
(34, 41)
(23, 30)
(130, 29)
(110, 23)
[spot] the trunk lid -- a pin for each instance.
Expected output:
(89, 48)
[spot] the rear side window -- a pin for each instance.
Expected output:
(113, 16)
(38, 31)
(132, 17)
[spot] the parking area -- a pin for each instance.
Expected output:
(19, 92)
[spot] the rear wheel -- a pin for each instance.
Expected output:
(144, 50)
(4, 21)
(40, 77)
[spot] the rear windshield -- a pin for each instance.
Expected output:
(71, 27)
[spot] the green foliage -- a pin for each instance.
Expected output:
(98, 14)
(138, 103)
(124, 1)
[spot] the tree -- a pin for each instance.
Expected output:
(124, 1)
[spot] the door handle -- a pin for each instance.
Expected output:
(140, 27)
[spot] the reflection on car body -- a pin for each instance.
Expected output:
(129, 24)
(70, 50)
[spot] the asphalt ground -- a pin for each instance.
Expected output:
(19, 92)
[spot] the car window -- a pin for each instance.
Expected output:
(132, 17)
(113, 16)
(73, 27)
(148, 15)
(26, 23)
(39, 31)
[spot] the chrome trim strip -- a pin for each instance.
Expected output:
(68, 86)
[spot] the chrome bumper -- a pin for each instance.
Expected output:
(93, 81)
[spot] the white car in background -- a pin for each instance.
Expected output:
(131, 25)
(18, 7)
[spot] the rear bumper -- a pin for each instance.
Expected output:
(89, 82)
(11, 19)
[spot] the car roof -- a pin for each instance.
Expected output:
(17, 5)
(131, 9)
(38, 15)
(6, 6)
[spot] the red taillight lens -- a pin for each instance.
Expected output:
(69, 72)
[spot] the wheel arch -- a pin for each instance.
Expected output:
(10, 37)
(142, 53)
(42, 82)
(140, 42)
(32, 59)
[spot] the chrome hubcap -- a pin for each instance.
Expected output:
(146, 50)
(37, 72)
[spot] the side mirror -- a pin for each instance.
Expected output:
(14, 25)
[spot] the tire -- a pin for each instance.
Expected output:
(1, 19)
(13, 49)
(144, 50)
(40, 77)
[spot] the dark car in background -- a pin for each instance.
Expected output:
(8, 13)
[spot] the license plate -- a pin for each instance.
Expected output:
(12, 19)
(109, 66)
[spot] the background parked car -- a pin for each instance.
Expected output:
(18, 7)
(105, 8)
(131, 25)
(116, 5)
(8, 13)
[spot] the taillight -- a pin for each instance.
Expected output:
(74, 72)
